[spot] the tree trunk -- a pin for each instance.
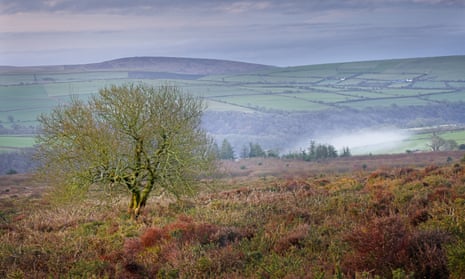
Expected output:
(134, 205)
(138, 201)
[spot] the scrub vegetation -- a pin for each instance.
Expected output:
(400, 217)
(388, 216)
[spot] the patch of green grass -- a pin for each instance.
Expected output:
(423, 140)
(429, 84)
(447, 97)
(222, 106)
(458, 136)
(411, 92)
(16, 141)
(274, 102)
(388, 76)
(323, 97)
(16, 79)
(84, 87)
(376, 103)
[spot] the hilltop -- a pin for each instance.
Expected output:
(192, 66)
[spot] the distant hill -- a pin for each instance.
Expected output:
(278, 107)
(188, 66)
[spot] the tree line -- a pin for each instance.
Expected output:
(315, 151)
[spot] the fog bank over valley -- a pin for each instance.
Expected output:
(367, 141)
(380, 140)
(384, 130)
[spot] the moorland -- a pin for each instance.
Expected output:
(401, 216)
(368, 216)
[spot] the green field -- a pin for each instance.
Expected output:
(355, 85)
(11, 143)
(28, 92)
(415, 141)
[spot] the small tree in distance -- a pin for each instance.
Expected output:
(134, 136)
(226, 151)
(436, 142)
(346, 152)
(255, 150)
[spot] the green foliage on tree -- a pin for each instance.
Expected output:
(272, 153)
(346, 152)
(139, 137)
(255, 150)
(318, 151)
(226, 151)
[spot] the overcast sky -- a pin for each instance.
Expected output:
(273, 32)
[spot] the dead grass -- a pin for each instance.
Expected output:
(272, 167)
(20, 186)
(261, 219)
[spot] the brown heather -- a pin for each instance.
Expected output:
(401, 217)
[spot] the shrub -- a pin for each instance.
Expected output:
(427, 254)
(294, 238)
(11, 171)
(87, 268)
(378, 246)
(152, 236)
(226, 259)
(132, 246)
(386, 244)
(419, 216)
(456, 256)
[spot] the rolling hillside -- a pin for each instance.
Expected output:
(358, 85)
(194, 66)
(238, 86)
(278, 107)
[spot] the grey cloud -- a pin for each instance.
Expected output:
(108, 6)
(157, 6)
(264, 31)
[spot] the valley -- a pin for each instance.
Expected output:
(281, 108)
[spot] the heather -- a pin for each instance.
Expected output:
(265, 218)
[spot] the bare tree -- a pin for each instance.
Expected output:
(436, 142)
(134, 136)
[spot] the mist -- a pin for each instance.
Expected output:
(367, 141)
(360, 142)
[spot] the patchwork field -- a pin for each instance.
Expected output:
(403, 82)
(394, 86)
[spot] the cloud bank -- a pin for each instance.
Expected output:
(270, 32)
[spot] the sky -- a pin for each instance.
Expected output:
(272, 32)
